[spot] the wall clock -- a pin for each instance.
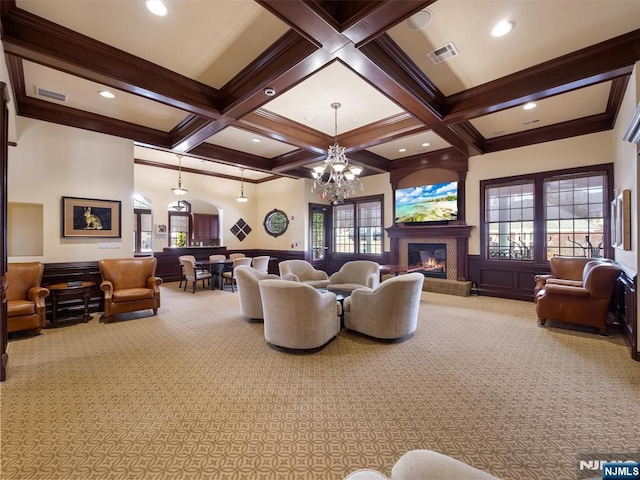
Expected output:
(276, 222)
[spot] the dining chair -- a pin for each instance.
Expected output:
(230, 274)
(191, 274)
(233, 256)
(261, 264)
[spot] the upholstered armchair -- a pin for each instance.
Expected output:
(355, 274)
(586, 304)
(129, 284)
(298, 316)
(25, 297)
(425, 465)
(564, 271)
(247, 280)
(303, 271)
(389, 311)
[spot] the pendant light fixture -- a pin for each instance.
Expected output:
(179, 190)
(241, 198)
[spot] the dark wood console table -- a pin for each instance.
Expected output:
(58, 290)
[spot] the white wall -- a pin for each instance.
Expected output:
(571, 152)
(51, 161)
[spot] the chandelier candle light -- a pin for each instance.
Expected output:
(179, 190)
(336, 179)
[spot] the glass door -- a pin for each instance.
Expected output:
(320, 224)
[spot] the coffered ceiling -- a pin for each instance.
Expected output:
(194, 81)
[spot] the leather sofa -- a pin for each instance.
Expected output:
(25, 297)
(355, 274)
(584, 303)
(247, 279)
(389, 311)
(298, 316)
(303, 271)
(425, 465)
(564, 270)
(129, 285)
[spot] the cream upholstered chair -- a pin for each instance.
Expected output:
(25, 297)
(216, 258)
(584, 304)
(261, 263)
(298, 316)
(247, 280)
(233, 256)
(303, 271)
(355, 274)
(180, 258)
(425, 465)
(389, 311)
(129, 284)
(230, 274)
(193, 275)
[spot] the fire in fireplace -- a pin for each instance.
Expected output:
(431, 257)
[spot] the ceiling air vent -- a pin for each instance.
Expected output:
(61, 97)
(529, 122)
(443, 53)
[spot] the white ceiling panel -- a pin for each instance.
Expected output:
(84, 95)
(412, 145)
(309, 103)
(248, 142)
(561, 108)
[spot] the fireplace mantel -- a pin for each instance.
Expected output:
(449, 230)
(459, 232)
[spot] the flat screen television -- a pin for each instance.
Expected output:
(427, 203)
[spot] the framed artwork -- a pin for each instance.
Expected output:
(623, 220)
(161, 229)
(90, 217)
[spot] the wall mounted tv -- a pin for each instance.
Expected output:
(427, 203)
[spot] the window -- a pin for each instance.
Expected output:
(538, 216)
(179, 224)
(357, 226)
(142, 222)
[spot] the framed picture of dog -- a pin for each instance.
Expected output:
(90, 217)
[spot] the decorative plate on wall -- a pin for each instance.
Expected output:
(276, 222)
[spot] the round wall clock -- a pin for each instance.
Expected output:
(276, 222)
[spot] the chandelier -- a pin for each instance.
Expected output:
(336, 179)
(179, 190)
(241, 198)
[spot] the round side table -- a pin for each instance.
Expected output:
(58, 290)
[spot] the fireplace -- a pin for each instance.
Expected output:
(431, 257)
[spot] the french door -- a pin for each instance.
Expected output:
(319, 235)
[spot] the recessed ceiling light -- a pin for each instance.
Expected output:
(426, 144)
(107, 94)
(157, 7)
(419, 20)
(402, 150)
(256, 140)
(530, 105)
(502, 28)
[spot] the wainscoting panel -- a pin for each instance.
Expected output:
(505, 279)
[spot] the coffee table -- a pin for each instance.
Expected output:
(340, 296)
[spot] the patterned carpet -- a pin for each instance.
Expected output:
(195, 393)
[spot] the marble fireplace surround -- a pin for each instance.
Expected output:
(455, 236)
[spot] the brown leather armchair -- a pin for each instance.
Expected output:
(587, 304)
(564, 271)
(129, 284)
(25, 297)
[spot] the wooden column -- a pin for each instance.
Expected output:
(4, 153)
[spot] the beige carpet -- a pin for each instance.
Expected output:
(195, 393)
